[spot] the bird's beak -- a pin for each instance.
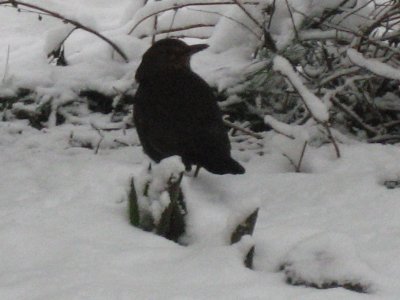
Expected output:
(197, 48)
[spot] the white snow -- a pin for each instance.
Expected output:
(66, 235)
(151, 185)
(64, 226)
(373, 65)
(291, 131)
(316, 107)
(328, 258)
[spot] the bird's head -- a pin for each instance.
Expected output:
(167, 55)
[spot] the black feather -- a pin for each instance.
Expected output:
(176, 112)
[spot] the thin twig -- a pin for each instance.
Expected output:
(178, 6)
(155, 24)
(290, 160)
(330, 136)
(251, 17)
(172, 21)
(122, 143)
(244, 130)
(291, 17)
(96, 151)
(385, 139)
(391, 124)
(303, 151)
(60, 44)
(354, 116)
(6, 64)
(229, 18)
(338, 28)
(183, 28)
(272, 14)
(332, 12)
(190, 36)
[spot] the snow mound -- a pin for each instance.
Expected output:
(327, 260)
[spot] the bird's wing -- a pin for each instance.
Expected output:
(182, 116)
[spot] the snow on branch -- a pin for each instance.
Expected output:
(290, 131)
(373, 65)
(315, 106)
(331, 34)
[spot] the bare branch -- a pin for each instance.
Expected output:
(291, 17)
(178, 6)
(6, 65)
(354, 116)
(183, 28)
(395, 138)
(155, 24)
(251, 17)
(331, 137)
(271, 14)
(244, 130)
(303, 151)
(229, 18)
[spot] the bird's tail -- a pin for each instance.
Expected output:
(226, 166)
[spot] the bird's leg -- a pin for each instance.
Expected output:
(197, 170)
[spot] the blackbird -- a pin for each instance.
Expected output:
(176, 112)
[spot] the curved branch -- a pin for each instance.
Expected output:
(16, 3)
(244, 130)
(229, 18)
(178, 6)
(183, 28)
(240, 5)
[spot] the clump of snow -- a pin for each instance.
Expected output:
(152, 184)
(167, 171)
(327, 260)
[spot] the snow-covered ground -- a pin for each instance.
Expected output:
(64, 227)
(65, 232)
